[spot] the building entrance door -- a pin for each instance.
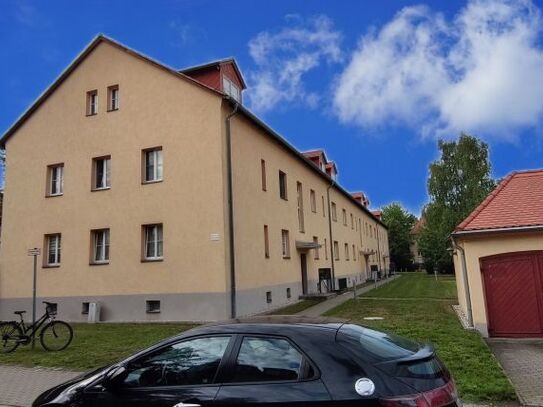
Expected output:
(325, 280)
(303, 264)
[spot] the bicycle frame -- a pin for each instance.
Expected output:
(31, 329)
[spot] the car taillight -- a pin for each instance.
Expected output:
(434, 398)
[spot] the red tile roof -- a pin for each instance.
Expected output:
(419, 225)
(516, 202)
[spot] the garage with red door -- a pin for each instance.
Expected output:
(513, 288)
(498, 259)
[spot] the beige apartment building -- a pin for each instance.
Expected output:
(155, 193)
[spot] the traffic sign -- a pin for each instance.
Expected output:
(36, 251)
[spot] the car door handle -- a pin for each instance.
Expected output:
(187, 405)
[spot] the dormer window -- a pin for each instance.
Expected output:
(231, 89)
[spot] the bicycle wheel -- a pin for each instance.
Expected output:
(56, 336)
(10, 336)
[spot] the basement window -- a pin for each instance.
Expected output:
(153, 306)
(268, 297)
(85, 308)
(289, 294)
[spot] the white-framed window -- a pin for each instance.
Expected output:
(152, 165)
(316, 241)
(100, 246)
(152, 242)
(313, 201)
(56, 180)
(336, 250)
(113, 98)
(52, 244)
(323, 207)
(299, 190)
(231, 89)
(354, 252)
(344, 212)
(346, 251)
(334, 212)
(263, 174)
(92, 102)
(102, 173)
(283, 185)
(266, 242)
(285, 243)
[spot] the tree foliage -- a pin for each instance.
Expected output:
(458, 182)
(400, 223)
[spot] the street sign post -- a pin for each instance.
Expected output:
(34, 252)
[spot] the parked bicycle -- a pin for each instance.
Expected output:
(54, 336)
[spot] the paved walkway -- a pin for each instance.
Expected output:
(19, 386)
(523, 364)
(327, 305)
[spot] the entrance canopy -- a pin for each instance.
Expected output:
(305, 246)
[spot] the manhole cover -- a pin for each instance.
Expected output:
(373, 318)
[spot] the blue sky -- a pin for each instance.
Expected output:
(375, 83)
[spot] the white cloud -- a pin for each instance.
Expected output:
(481, 72)
(284, 57)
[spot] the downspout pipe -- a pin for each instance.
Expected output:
(230, 200)
(331, 235)
(462, 253)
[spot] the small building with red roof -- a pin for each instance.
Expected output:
(499, 259)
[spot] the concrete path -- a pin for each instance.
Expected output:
(523, 364)
(327, 305)
(19, 386)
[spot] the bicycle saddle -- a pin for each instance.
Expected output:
(19, 312)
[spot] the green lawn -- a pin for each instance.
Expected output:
(95, 345)
(418, 285)
(419, 316)
(295, 308)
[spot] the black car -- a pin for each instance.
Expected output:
(269, 361)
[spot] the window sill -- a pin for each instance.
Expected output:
(286, 257)
(152, 312)
(152, 182)
(100, 189)
(99, 263)
(91, 114)
(152, 260)
(284, 199)
(53, 195)
(51, 266)
(112, 110)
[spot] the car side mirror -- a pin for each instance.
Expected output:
(114, 377)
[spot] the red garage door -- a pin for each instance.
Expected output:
(513, 286)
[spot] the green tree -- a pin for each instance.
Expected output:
(399, 222)
(458, 182)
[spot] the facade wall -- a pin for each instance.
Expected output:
(192, 282)
(477, 248)
(156, 109)
(255, 207)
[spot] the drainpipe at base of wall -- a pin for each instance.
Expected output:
(464, 266)
(331, 235)
(233, 311)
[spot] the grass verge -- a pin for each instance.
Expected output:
(295, 308)
(95, 345)
(476, 371)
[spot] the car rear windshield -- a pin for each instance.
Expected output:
(425, 369)
(375, 345)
